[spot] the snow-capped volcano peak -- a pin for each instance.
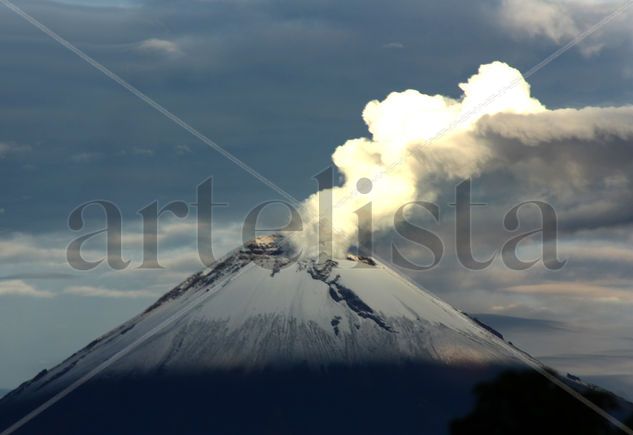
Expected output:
(267, 331)
(261, 306)
(272, 244)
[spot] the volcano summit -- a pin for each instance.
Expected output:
(267, 343)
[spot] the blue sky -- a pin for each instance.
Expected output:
(280, 84)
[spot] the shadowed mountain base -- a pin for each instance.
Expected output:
(342, 400)
(526, 403)
(322, 348)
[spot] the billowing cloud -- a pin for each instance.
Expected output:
(419, 140)
(586, 124)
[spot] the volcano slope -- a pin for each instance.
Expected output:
(265, 342)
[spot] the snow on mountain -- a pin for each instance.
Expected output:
(263, 315)
(250, 311)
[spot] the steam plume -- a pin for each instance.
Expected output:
(411, 149)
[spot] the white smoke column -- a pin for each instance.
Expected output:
(406, 150)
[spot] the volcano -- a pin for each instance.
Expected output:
(267, 342)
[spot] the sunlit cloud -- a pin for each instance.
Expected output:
(562, 21)
(155, 45)
(20, 288)
(597, 291)
(100, 292)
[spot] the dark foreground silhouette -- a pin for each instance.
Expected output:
(417, 399)
(520, 403)
(413, 399)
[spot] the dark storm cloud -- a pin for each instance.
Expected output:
(273, 81)
(581, 161)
